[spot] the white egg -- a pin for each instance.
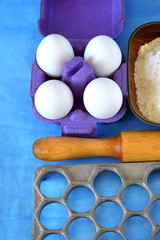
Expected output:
(102, 98)
(104, 55)
(52, 53)
(53, 99)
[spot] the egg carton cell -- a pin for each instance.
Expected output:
(86, 209)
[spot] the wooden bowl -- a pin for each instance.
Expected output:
(143, 34)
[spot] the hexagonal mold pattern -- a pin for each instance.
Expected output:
(83, 175)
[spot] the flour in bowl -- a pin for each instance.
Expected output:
(147, 80)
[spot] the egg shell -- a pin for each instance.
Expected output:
(104, 55)
(52, 53)
(53, 99)
(92, 18)
(102, 98)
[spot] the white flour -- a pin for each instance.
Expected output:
(147, 80)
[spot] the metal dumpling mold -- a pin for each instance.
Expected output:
(97, 201)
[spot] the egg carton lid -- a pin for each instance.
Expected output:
(81, 20)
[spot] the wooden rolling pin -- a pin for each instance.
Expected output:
(128, 146)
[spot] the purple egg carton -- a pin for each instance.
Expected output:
(79, 21)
